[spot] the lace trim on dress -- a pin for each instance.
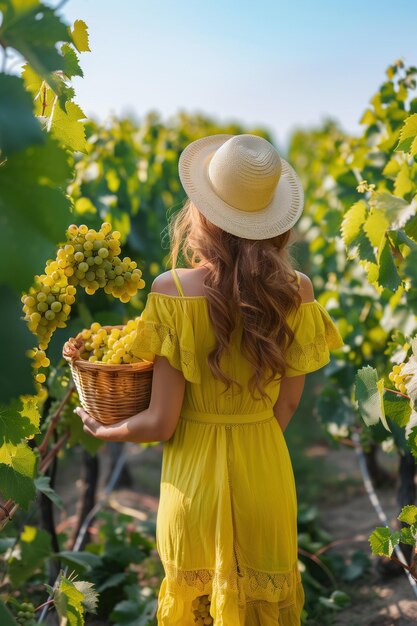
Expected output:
(154, 338)
(309, 354)
(257, 586)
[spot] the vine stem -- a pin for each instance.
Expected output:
(54, 421)
(409, 568)
(41, 606)
(316, 560)
(337, 542)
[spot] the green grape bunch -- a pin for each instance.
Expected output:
(398, 378)
(94, 262)
(201, 610)
(89, 259)
(25, 614)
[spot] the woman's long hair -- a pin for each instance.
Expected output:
(248, 281)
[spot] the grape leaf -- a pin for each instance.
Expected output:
(369, 395)
(388, 275)
(6, 618)
(411, 227)
(407, 535)
(80, 36)
(42, 483)
(403, 182)
(394, 209)
(407, 141)
(35, 548)
(20, 457)
(34, 29)
(68, 602)
(19, 420)
(366, 251)
(67, 128)
(18, 126)
(15, 486)
(408, 514)
(410, 267)
(353, 221)
(412, 441)
(397, 408)
(84, 560)
(383, 541)
(15, 340)
(72, 65)
(90, 599)
(375, 227)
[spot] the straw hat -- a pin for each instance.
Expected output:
(241, 184)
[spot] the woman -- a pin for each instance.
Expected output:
(232, 338)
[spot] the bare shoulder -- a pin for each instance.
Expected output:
(306, 288)
(164, 283)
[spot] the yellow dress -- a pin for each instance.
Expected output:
(227, 517)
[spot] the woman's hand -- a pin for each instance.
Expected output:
(106, 432)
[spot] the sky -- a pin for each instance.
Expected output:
(276, 64)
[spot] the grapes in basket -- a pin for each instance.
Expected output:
(112, 383)
(108, 344)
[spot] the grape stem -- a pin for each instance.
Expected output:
(397, 392)
(47, 460)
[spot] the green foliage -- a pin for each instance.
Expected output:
(35, 211)
(383, 540)
(137, 610)
(18, 127)
(18, 422)
(35, 548)
(42, 484)
(6, 618)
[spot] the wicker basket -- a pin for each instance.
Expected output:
(109, 393)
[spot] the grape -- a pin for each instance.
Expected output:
(398, 379)
(201, 610)
(25, 613)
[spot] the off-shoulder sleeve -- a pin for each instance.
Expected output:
(164, 329)
(315, 335)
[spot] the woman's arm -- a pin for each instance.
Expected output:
(289, 397)
(158, 422)
(292, 387)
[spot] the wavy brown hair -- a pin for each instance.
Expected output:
(248, 280)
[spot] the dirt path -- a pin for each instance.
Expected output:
(377, 601)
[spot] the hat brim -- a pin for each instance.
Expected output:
(278, 216)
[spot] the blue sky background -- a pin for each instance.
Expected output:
(276, 64)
